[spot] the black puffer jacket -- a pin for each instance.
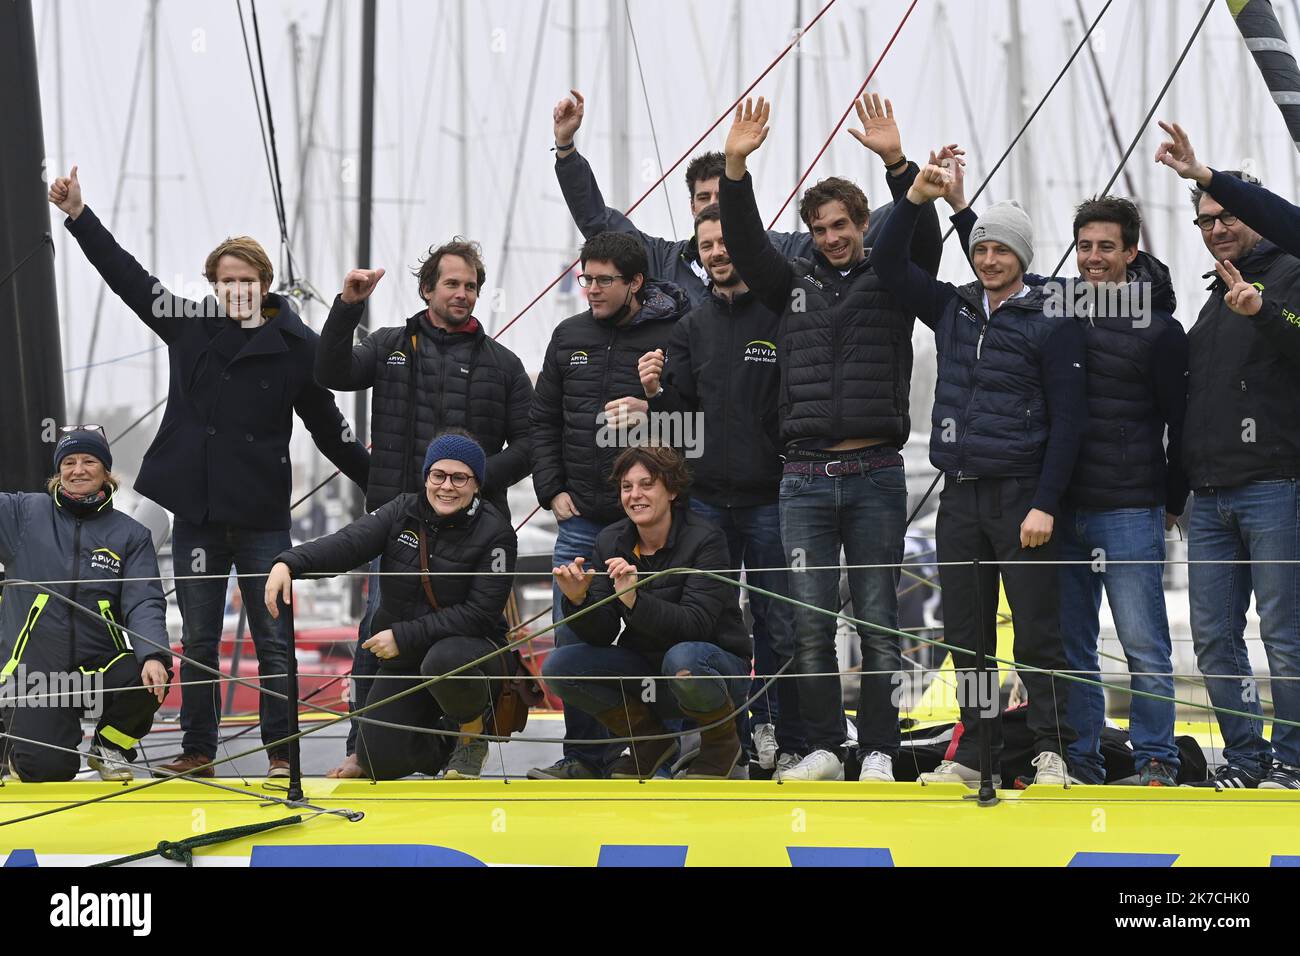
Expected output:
(673, 608)
(846, 342)
(476, 539)
(588, 364)
(462, 379)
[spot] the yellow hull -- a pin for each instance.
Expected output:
(667, 823)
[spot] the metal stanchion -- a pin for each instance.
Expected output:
(987, 795)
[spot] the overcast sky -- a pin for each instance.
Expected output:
(695, 58)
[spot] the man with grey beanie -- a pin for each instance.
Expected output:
(1009, 413)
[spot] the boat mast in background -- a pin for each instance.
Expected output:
(31, 360)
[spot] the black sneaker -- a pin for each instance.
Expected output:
(1228, 777)
(566, 768)
(1281, 777)
(1157, 774)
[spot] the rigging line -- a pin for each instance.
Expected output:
(1028, 120)
(132, 427)
(277, 179)
(716, 123)
(112, 361)
(1146, 120)
(517, 178)
(954, 58)
(654, 136)
(310, 135)
(268, 148)
(117, 199)
(1111, 124)
(807, 172)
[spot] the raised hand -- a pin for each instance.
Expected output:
(1242, 297)
(879, 132)
(568, 117)
(953, 158)
(573, 580)
(931, 182)
(748, 128)
(1179, 156)
(650, 367)
(359, 283)
(65, 192)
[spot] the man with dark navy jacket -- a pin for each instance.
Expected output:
(1127, 488)
(1243, 460)
(240, 367)
(846, 366)
(1009, 414)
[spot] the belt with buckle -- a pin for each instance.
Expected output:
(859, 462)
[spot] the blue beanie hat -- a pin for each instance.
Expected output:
(84, 441)
(457, 448)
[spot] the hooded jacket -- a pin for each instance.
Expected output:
(588, 363)
(1137, 387)
(104, 553)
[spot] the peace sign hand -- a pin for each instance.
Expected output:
(1179, 156)
(1242, 297)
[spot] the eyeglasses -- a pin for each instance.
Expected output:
(458, 478)
(69, 429)
(1206, 222)
(587, 281)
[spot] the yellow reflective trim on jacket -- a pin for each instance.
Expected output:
(116, 737)
(100, 670)
(33, 613)
(120, 640)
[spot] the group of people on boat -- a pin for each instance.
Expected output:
(1073, 420)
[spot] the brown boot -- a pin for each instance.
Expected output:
(647, 756)
(186, 764)
(719, 746)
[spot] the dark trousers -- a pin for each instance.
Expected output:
(980, 520)
(364, 662)
(113, 695)
(210, 549)
(386, 753)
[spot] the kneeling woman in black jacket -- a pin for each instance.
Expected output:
(687, 627)
(426, 624)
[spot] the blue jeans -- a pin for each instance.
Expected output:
(577, 537)
(865, 515)
(1258, 522)
(1136, 596)
(754, 540)
(688, 696)
(364, 663)
(211, 549)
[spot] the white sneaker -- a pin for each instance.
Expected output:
(950, 771)
(818, 765)
(1051, 769)
(111, 764)
(877, 767)
(765, 745)
(786, 762)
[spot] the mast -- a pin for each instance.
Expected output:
(31, 362)
(462, 114)
(154, 356)
(798, 108)
(618, 109)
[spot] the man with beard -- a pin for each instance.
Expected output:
(721, 365)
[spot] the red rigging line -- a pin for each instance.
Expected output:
(681, 159)
(825, 146)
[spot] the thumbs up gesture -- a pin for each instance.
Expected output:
(65, 192)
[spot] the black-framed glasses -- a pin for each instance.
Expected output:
(587, 281)
(69, 429)
(1206, 221)
(458, 478)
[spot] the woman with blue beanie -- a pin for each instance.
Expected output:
(451, 558)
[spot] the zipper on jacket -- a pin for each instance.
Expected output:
(118, 636)
(604, 392)
(726, 405)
